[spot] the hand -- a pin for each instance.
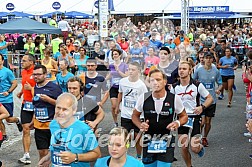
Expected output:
(235, 68)
(198, 110)
(44, 97)
(244, 68)
(45, 162)
(173, 126)
(144, 126)
(5, 93)
(217, 91)
(31, 125)
(92, 124)
(19, 94)
(27, 86)
(226, 66)
(100, 104)
(67, 157)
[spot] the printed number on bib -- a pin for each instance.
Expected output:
(56, 160)
(28, 106)
(41, 113)
(115, 81)
(189, 123)
(158, 146)
(208, 86)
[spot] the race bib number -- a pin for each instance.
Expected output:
(189, 123)
(28, 106)
(157, 146)
(115, 81)
(41, 113)
(208, 86)
(129, 103)
(79, 115)
(55, 158)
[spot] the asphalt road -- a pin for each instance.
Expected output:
(227, 146)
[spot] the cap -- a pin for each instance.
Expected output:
(170, 37)
(76, 44)
(181, 32)
(208, 54)
(80, 36)
(166, 49)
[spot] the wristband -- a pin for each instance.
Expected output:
(178, 122)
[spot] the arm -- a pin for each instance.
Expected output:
(55, 67)
(122, 74)
(99, 117)
(104, 99)
(48, 99)
(12, 88)
(147, 81)
(119, 98)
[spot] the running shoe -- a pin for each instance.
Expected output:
(234, 87)
(19, 125)
(25, 160)
(202, 152)
(221, 97)
(204, 142)
(247, 134)
(5, 138)
(229, 105)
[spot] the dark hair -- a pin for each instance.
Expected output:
(91, 61)
(83, 49)
(1, 55)
(228, 49)
(156, 71)
(249, 54)
(134, 63)
(74, 79)
(166, 49)
(116, 50)
(42, 67)
(98, 42)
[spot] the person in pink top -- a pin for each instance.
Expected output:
(150, 60)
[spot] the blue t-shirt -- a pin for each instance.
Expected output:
(56, 55)
(77, 138)
(231, 61)
(172, 45)
(135, 51)
(4, 51)
(130, 162)
(156, 43)
(79, 63)
(208, 78)
(62, 80)
(6, 78)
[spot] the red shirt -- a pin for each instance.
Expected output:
(27, 77)
(124, 45)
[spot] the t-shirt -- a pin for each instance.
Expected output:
(231, 61)
(130, 162)
(27, 77)
(31, 46)
(115, 76)
(208, 79)
(77, 138)
(53, 23)
(93, 87)
(80, 62)
(41, 48)
(55, 44)
(4, 51)
(150, 61)
(86, 109)
(130, 93)
(62, 80)
(188, 95)
(6, 79)
(44, 111)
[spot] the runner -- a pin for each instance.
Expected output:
(63, 76)
(45, 95)
(87, 110)
(8, 84)
(208, 75)
(190, 91)
(118, 70)
(27, 112)
(130, 88)
(118, 145)
(64, 129)
(159, 108)
(3, 114)
(227, 65)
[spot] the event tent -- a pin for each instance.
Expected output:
(78, 15)
(15, 14)
(26, 25)
(49, 15)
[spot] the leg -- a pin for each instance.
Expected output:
(207, 126)
(26, 137)
(202, 125)
(12, 120)
(2, 127)
(138, 137)
(183, 142)
(43, 153)
(114, 102)
(230, 90)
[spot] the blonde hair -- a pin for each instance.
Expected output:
(120, 131)
(186, 62)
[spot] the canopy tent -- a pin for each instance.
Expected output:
(15, 14)
(49, 15)
(78, 15)
(26, 25)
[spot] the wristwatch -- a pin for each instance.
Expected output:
(8, 91)
(203, 107)
(76, 160)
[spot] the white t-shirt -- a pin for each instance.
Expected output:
(64, 26)
(189, 94)
(130, 93)
(178, 105)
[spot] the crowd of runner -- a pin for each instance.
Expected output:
(158, 78)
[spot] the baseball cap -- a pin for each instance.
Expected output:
(208, 54)
(181, 32)
(80, 36)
